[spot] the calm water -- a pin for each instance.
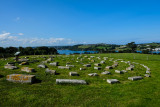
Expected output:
(67, 52)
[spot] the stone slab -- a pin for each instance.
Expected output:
(135, 78)
(112, 81)
(70, 81)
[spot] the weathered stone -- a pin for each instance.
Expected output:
(112, 81)
(82, 69)
(10, 66)
(135, 78)
(27, 69)
(50, 71)
(70, 65)
(105, 73)
(148, 72)
(42, 66)
(23, 60)
(97, 68)
(70, 81)
(50, 59)
(93, 74)
(108, 67)
(54, 63)
(97, 64)
(124, 71)
(102, 62)
(22, 78)
(147, 75)
(63, 67)
(24, 63)
(73, 74)
(87, 65)
(117, 71)
(129, 68)
(92, 56)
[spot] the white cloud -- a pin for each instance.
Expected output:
(7, 39)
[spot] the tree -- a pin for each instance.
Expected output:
(132, 46)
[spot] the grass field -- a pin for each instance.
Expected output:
(98, 93)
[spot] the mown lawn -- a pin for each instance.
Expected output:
(98, 92)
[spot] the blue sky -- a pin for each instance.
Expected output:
(69, 22)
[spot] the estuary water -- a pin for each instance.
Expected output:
(68, 52)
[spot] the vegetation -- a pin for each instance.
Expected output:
(145, 92)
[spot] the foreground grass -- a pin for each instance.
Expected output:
(145, 92)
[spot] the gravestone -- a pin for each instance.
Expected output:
(22, 78)
(63, 67)
(97, 64)
(93, 74)
(108, 67)
(24, 63)
(27, 69)
(10, 66)
(147, 75)
(82, 69)
(54, 63)
(105, 73)
(87, 65)
(50, 71)
(118, 71)
(42, 66)
(97, 68)
(148, 72)
(129, 69)
(102, 62)
(112, 81)
(73, 74)
(135, 78)
(70, 65)
(70, 81)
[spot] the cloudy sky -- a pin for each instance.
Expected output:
(69, 22)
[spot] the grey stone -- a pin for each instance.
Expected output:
(50, 71)
(70, 65)
(97, 68)
(93, 74)
(54, 63)
(87, 65)
(129, 69)
(118, 71)
(108, 67)
(63, 67)
(22, 78)
(102, 62)
(147, 75)
(82, 69)
(112, 81)
(105, 73)
(42, 66)
(73, 74)
(27, 69)
(70, 81)
(97, 64)
(124, 71)
(135, 78)
(148, 72)
(10, 66)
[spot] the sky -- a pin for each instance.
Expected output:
(70, 22)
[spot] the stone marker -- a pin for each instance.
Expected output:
(54, 63)
(24, 63)
(97, 68)
(108, 67)
(22, 78)
(70, 81)
(87, 65)
(135, 78)
(102, 62)
(50, 71)
(82, 69)
(42, 66)
(97, 64)
(63, 67)
(147, 75)
(73, 74)
(105, 73)
(112, 81)
(27, 69)
(10, 66)
(93, 74)
(124, 71)
(117, 71)
(69, 65)
(148, 72)
(129, 69)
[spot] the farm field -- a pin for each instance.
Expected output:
(98, 93)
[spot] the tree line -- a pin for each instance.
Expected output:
(10, 51)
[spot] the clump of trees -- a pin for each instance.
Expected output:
(10, 51)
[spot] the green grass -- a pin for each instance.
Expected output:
(145, 92)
